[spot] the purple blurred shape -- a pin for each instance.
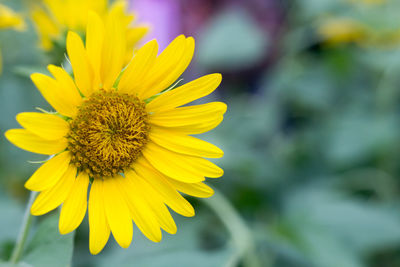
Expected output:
(163, 16)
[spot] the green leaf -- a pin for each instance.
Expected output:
(48, 247)
(330, 229)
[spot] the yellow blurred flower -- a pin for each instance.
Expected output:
(334, 31)
(369, 2)
(342, 30)
(53, 18)
(11, 19)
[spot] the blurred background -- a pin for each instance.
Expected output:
(311, 137)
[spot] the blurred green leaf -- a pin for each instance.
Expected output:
(332, 229)
(48, 247)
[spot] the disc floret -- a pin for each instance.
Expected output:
(108, 133)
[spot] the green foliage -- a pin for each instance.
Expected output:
(48, 247)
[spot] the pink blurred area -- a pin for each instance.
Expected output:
(232, 50)
(163, 16)
(169, 18)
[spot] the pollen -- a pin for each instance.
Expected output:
(108, 133)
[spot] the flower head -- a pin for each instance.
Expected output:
(342, 30)
(53, 18)
(118, 130)
(10, 19)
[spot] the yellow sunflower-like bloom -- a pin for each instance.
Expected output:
(368, 2)
(10, 19)
(53, 18)
(342, 30)
(118, 130)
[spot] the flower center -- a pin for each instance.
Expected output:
(108, 133)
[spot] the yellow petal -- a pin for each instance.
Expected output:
(114, 48)
(169, 67)
(49, 173)
(51, 198)
(47, 126)
(46, 28)
(171, 164)
(83, 72)
(67, 85)
(132, 78)
(94, 44)
(189, 115)
(141, 213)
(205, 167)
(10, 19)
(33, 143)
(134, 35)
(117, 212)
(196, 128)
(184, 144)
(185, 93)
(159, 183)
(156, 203)
(74, 208)
(194, 189)
(98, 225)
(50, 90)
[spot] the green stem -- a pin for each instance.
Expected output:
(241, 235)
(23, 231)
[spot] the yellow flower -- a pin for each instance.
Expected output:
(342, 30)
(368, 2)
(10, 19)
(123, 133)
(53, 18)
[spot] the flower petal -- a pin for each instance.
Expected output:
(94, 44)
(159, 183)
(114, 47)
(156, 203)
(45, 26)
(98, 225)
(185, 93)
(51, 91)
(169, 66)
(142, 214)
(33, 143)
(83, 72)
(51, 198)
(74, 208)
(133, 36)
(196, 128)
(189, 115)
(171, 164)
(195, 189)
(132, 78)
(47, 126)
(117, 212)
(49, 173)
(184, 144)
(67, 85)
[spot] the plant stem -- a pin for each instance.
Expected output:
(23, 231)
(240, 233)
